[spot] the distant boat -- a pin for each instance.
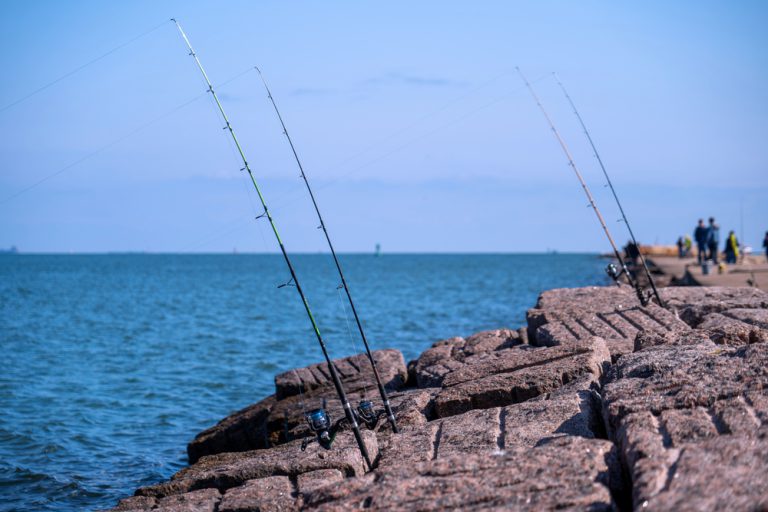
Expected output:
(12, 250)
(377, 252)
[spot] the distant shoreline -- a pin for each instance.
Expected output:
(355, 253)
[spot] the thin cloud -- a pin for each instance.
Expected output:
(417, 80)
(311, 91)
(230, 98)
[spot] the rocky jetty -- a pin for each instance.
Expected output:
(597, 404)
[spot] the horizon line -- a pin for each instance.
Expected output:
(302, 253)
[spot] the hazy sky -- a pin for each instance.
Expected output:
(410, 120)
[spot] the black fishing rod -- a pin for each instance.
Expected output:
(615, 195)
(382, 390)
(294, 281)
(612, 271)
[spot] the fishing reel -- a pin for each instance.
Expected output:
(325, 430)
(614, 273)
(368, 415)
(319, 422)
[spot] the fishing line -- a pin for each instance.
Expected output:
(615, 196)
(417, 121)
(352, 338)
(116, 141)
(81, 67)
(284, 200)
(233, 152)
(611, 270)
(218, 233)
(344, 285)
(319, 422)
(301, 392)
(287, 199)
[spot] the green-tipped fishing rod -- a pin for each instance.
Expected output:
(382, 390)
(611, 269)
(613, 191)
(294, 281)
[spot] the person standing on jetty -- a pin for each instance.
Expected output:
(731, 248)
(713, 239)
(700, 235)
(765, 245)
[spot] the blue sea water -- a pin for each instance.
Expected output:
(112, 363)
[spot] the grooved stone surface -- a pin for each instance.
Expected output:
(270, 493)
(228, 470)
(390, 364)
(674, 410)
(568, 473)
(516, 375)
(448, 355)
(568, 315)
(204, 500)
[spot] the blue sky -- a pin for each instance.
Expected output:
(411, 122)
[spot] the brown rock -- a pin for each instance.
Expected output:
(262, 494)
(677, 377)
(512, 376)
(696, 302)
(308, 482)
(568, 473)
(488, 341)
(278, 419)
(594, 299)
(411, 445)
(135, 503)
(411, 407)
(435, 362)
(568, 315)
(226, 470)
(390, 364)
(243, 430)
(756, 317)
(644, 340)
(572, 410)
(675, 410)
(726, 473)
(204, 500)
(723, 330)
(448, 355)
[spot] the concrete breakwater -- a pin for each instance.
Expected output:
(597, 403)
(752, 271)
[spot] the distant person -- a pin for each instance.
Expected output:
(700, 235)
(680, 247)
(688, 245)
(765, 245)
(731, 248)
(713, 239)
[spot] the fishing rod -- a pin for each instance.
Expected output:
(294, 281)
(615, 195)
(365, 408)
(611, 269)
(80, 68)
